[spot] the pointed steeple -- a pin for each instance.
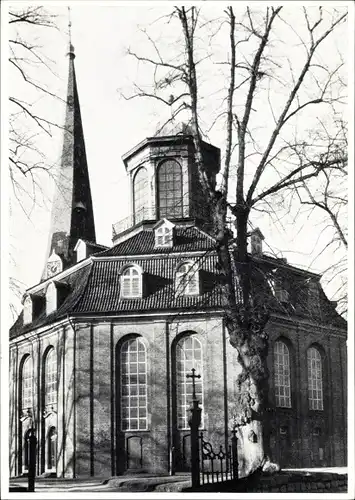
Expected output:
(72, 212)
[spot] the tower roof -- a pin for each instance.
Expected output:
(72, 212)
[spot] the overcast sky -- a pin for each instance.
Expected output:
(112, 125)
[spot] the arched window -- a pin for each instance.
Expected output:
(140, 194)
(133, 384)
(315, 379)
(164, 237)
(27, 384)
(50, 378)
(188, 356)
(131, 282)
(170, 190)
(187, 279)
(282, 375)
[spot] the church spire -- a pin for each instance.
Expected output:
(72, 212)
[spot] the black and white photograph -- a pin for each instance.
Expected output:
(177, 249)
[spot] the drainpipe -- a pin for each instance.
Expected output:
(72, 324)
(168, 399)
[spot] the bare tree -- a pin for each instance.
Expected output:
(32, 79)
(254, 64)
(29, 68)
(328, 196)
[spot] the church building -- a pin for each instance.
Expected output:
(100, 353)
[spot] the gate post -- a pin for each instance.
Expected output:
(32, 460)
(194, 423)
(234, 453)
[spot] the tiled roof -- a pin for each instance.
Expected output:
(102, 294)
(187, 239)
(95, 288)
(95, 246)
(76, 283)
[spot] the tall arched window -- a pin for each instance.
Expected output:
(140, 195)
(133, 384)
(282, 375)
(131, 282)
(27, 384)
(187, 279)
(188, 356)
(50, 378)
(170, 190)
(315, 379)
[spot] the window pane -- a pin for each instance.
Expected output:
(131, 283)
(27, 383)
(315, 383)
(50, 378)
(282, 375)
(187, 279)
(133, 383)
(188, 346)
(140, 195)
(170, 190)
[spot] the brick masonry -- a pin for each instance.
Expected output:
(90, 442)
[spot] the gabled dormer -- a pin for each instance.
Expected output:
(27, 309)
(84, 249)
(56, 293)
(33, 305)
(164, 234)
(279, 287)
(313, 290)
(256, 242)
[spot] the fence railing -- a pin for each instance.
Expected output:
(217, 466)
(170, 212)
(209, 465)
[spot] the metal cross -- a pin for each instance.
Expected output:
(193, 376)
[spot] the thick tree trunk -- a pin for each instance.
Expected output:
(245, 324)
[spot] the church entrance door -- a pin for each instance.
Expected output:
(317, 452)
(182, 451)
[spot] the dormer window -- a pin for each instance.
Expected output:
(281, 294)
(256, 241)
(164, 234)
(81, 250)
(163, 237)
(131, 283)
(27, 310)
(313, 295)
(51, 298)
(187, 279)
(278, 288)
